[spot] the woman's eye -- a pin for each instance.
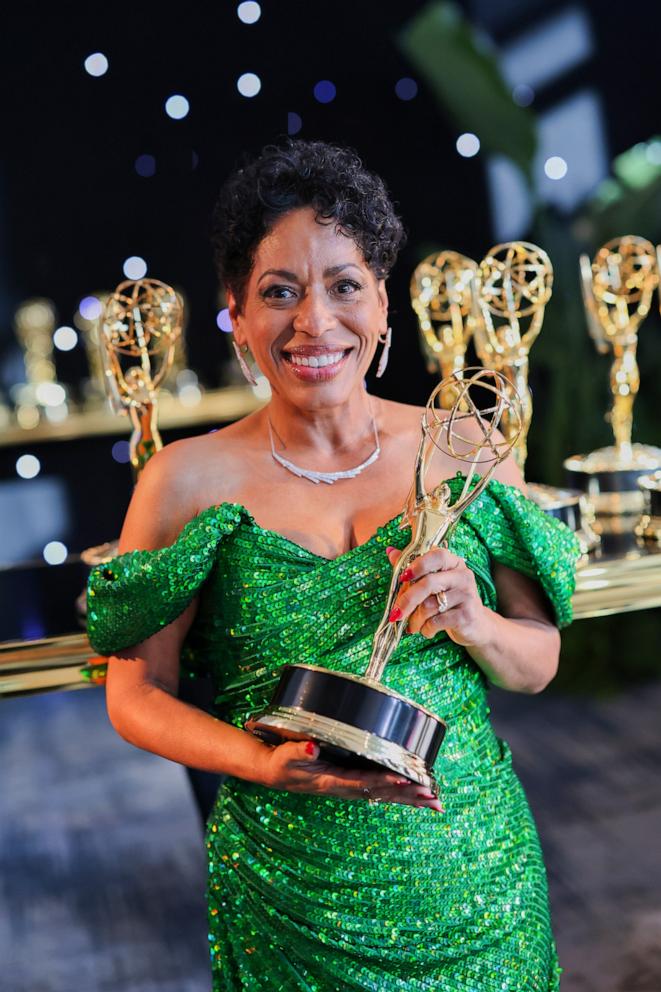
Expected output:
(347, 286)
(278, 293)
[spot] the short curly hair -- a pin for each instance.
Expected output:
(330, 179)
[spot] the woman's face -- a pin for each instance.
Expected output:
(312, 313)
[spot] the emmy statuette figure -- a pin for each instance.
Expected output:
(618, 287)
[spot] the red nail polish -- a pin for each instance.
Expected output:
(309, 748)
(395, 614)
(390, 548)
(407, 575)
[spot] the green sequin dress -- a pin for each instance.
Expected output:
(321, 894)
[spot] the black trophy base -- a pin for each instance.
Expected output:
(357, 722)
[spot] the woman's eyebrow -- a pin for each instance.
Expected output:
(283, 273)
(286, 274)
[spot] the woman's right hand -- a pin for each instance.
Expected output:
(296, 767)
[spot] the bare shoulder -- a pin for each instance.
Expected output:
(173, 486)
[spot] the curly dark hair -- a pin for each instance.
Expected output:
(296, 173)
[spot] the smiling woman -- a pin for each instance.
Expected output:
(235, 561)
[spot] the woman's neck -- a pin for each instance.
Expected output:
(329, 430)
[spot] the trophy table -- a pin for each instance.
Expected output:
(356, 719)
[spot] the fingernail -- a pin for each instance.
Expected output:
(309, 748)
(437, 807)
(406, 575)
(403, 781)
(391, 547)
(395, 614)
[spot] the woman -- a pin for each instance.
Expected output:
(236, 560)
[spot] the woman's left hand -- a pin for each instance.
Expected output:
(440, 572)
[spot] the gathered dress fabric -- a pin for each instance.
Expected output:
(323, 894)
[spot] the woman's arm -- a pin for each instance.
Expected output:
(518, 648)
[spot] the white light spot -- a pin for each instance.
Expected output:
(65, 338)
(55, 552)
(468, 145)
(28, 466)
(177, 107)
(57, 414)
(248, 84)
(555, 167)
(96, 64)
(50, 394)
(249, 12)
(190, 395)
(90, 308)
(135, 267)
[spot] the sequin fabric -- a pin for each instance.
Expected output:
(322, 894)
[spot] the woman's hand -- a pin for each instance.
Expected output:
(439, 573)
(296, 767)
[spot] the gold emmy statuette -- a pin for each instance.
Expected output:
(618, 287)
(514, 284)
(356, 719)
(441, 295)
(41, 396)
(138, 334)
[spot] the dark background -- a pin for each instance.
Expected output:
(72, 206)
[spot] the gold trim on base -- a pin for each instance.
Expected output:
(300, 724)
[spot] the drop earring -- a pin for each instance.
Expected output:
(243, 365)
(385, 340)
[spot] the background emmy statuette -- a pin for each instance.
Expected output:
(358, 719)
(441, 295)
(137, 335)
(618, 287)
(513, 285)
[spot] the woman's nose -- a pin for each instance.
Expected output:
(313, 315)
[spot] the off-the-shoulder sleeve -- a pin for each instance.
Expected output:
(135, 594)
(522, 536)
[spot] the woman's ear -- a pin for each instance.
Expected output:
(382, 293)
(235, 315)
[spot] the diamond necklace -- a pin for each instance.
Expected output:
(327, 477)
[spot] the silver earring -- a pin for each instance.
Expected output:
(385, 340)
(243, 365)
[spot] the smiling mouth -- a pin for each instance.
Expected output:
(318, 360)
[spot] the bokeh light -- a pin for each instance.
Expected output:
(223, 321)
(523, 95)
(190, 395)
(249, 12)
(145, 165)
(90, 307)
(135, 267)
(324, 91)
(28, 466)
(468, 145)
(50, 393)
(294, 122)
(555, 167)
(406, 89)
(249, 84)
(96, 64)
(177, 107)
(121, 452)
(55, 552)
(65, 338)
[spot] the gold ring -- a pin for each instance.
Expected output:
(442, 600)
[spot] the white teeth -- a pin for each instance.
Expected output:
(317, 361)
